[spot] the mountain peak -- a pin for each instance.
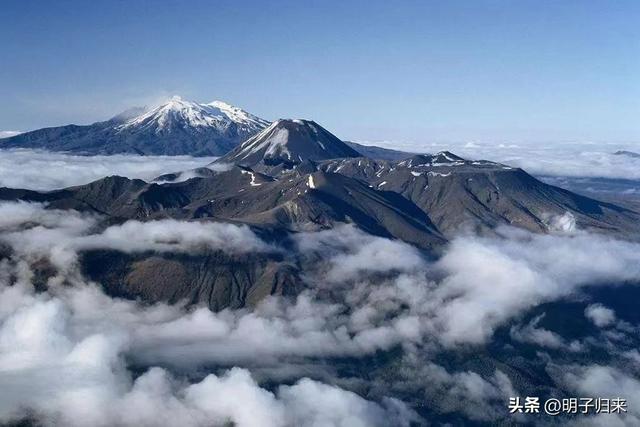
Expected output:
(442, 158)
(180, 114)
(289, 142)
(176, 127)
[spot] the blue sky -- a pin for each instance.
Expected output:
(535, 71)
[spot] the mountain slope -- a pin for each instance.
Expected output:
(216, 279)
(458, 193)
(287, 143)
(378, 153)
(416, 200)
(274, 209)
(307, 202)
(177, 127)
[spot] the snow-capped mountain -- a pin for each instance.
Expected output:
(178, 113)
(173, 128)
(287, 143)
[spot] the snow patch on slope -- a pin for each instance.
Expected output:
(253, 182)
(276, 145)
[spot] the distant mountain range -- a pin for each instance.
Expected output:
(379, 153)
(177, 127)
(627, 153)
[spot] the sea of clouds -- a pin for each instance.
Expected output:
(72, 355)
(44, 170)
(563, 159)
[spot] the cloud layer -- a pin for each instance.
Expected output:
(43, 170)
(72, 355)
(8, 133)
(552, 159)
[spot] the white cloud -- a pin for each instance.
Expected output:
(33, 230)
(351, 252)
(172, 235)
(196, 173)
(63, 356)
(14, 215)
(600, 315)
(489, 280)
(575, 160)
(43, 170)
(533, 334)
(565, 223)
(392, 294)
(479, 398)
(555, 159)
(315, 404)
(604, 382)
(8, 133)
(382, 294)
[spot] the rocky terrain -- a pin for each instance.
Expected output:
(295, 176)
(422, 277)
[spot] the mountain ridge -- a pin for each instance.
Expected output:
(176, 127)
(424, 200)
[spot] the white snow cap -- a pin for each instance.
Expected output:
(217, 114)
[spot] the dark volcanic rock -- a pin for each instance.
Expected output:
(287, 143)
(294, 202)
(287, 179)
(378, 153)
(627, 154)
(215, 278)
(458, 193)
